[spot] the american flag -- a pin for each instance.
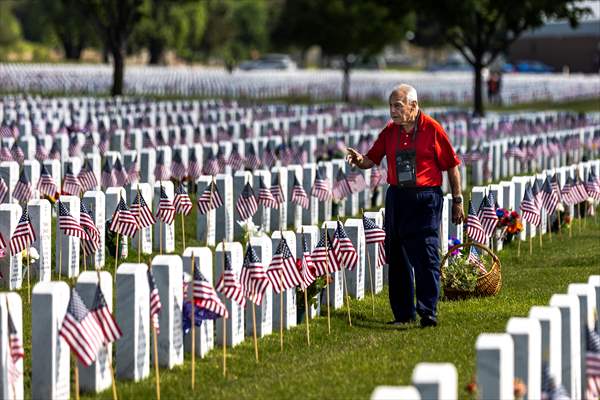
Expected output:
(265, 197)
(269, 156)
(276, 190)
(46, 184)
(166, 209)
(210, 199)
(323, 256)
(236, 160)
(375, 177)
(23, 190)
(282, 271)
(473, 156)
(475, 259)
(161, 172)
(108, 178)
(592, 365)
(133, 174)
(121, 177)
(110, 329)
(306, 266)
(81, 330)
(246, 204)
(193, 170)
(299, 196)
(206, 298)
(211, 165)
(487, 215)
(536, 191)
(582, 194)
(91, 243)
(555, 182)
(71, 185)
(549, 198)
(54, 151)
(147, 141)
(89, 143)
(343, 249)
(103, 145)
(3, 189)
(6, 131)
(123, 221)
(341, 188)
(16, 351)
(475, 231)
(357, 182)
(74, 145)
(155, 304)
(252, 160)
(530, 210)
(253, 277)
(182, 202)
(40, 151)
(17, 153)
(23, 235)
(2, 247)
(567, 193)
(5, 154)
(178, 170)
(550, 390)
(592, 186)
(229, 285)
(141, 211)
(68, 224)
(375, 235)
(514, 151)
(87, 177)
(221, 159)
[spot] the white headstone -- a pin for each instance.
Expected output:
(550, 328)
(264, 313)
(571, 338)
(10, 303)
(96, 377)
(294, 212)
(163, 233)
(235, 322)
(356, 277)
(133, 316)
(436, 380)
(40, 213)
(279, 215)
(10, 266)
(94, 160)
(205, 223)
(147, 165)
(113, 195)
(224, 214)
(262, 218)
(9, 171)
(375, 275)
(311, 215)
(336, 287)
(32, 171)
(289, 295)
(594, 282)
(204, 335)
(239, 182)
(146, 233)
(495, 365)
(95, 201)
(326, 170)
(587, 303)
(168, 273)
(527, 338)
(67, 247)
(50, 366)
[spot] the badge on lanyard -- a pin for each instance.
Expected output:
(406, 174)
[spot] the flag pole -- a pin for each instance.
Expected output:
(193, 326)
(346, 289)
(183, 230)
(541, 234)
(559, 225)
(116, 256)
(155, 348)
(254, 331)
(281, 304)
(139, 230)
(370, 271)
(29, 274)
(327, 277)
(530, 245)
(160, 226)
(109, 353)
(224, 326)
(306, 318)
(549, 225)
(76, 378)
(209, 208)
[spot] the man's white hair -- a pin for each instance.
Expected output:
(408, 91)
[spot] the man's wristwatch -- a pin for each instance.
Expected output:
(457, 199)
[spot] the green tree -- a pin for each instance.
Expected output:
(169, 25)
(482, 29)
(347, 29)
(10, 29)
(66, 19)
(115, 20)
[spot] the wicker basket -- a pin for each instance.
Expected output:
(488, 284)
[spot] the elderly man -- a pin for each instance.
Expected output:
(417, 150)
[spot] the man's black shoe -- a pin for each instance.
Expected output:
(428, 321)
(400, 322)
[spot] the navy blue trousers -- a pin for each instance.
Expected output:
(412, 224)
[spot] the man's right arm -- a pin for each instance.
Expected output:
(361, 161)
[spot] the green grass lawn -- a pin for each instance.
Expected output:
(351, 361)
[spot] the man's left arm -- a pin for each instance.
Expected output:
(448, 161)
(458, 214)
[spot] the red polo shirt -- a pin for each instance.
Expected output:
(434, 153)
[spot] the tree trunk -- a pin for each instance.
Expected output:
(155, 51)
(72, 50)
(346, 81)
(478, 109)
(118, 70)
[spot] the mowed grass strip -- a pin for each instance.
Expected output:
(351, 361)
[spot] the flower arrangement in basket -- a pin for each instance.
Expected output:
(470, 269)
(509, 224)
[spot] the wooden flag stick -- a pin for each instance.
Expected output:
(224, 327)
(306, 318)
(328, 277)
(559, 225)
(209, 209)
(183, 230)
(370, 273)
(28, 275)
(156, 362)
(116, 255)
(254, 331)
(518, 235)
(76, 379)
(160, 237)
(530, 245)
(193, 327)
(541, 235)
(139, 233)
(281, 308)
(109, 354)
(347, 295)
(60, 258)
(549, 225)
(579, 219)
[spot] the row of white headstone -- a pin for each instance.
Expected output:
(554, 335)
(316, 84)
(50, 354)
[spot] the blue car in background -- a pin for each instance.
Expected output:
(532, 67)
